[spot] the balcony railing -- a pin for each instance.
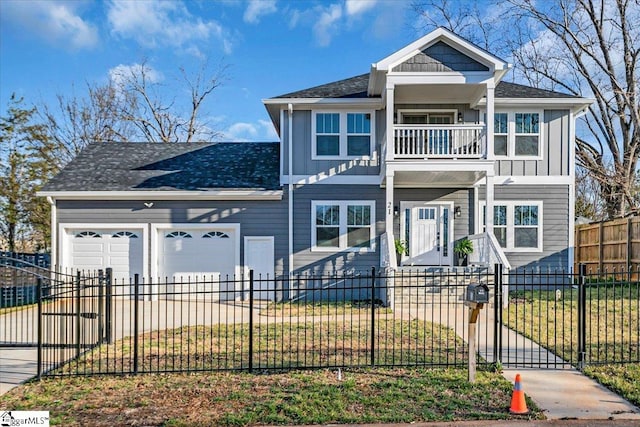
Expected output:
(439, 141)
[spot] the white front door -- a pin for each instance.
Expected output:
(428, 232)
(259, 256)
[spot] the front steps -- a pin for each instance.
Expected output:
(435, 285)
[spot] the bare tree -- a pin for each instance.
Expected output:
(157, 118)
(582, 47)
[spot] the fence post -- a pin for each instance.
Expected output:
(582, 324)
(39, 296)
(78, 318)
(497, 314)
(107, 308)
(250, 320)
(101, 306)
(373, 316)
(136, 293)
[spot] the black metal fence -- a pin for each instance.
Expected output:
(84, 324)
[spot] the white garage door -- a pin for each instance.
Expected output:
(94, 249)
(187, 254)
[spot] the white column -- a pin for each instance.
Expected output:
(389, 207)
(391, 146)
(490, 119)
(489, 195)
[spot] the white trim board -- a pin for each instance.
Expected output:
(164, 195)
(332, 179)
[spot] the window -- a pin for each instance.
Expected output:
(215, 234)
(328, 134)
(90, 234)
(517, 225)
(342, 135)
(517, 134)
(527, 134)
(177, 234)
(500, 134)
(128, 234)
(342, 225)
(358, 134)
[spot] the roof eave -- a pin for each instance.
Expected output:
(248, 194)
(575, 104)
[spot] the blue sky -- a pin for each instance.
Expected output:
(271, 47)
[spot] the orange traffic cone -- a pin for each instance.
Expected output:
(518, 403)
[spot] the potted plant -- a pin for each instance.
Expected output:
(401, 249)
(462, 249)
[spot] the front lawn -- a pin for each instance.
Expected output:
(299, 397)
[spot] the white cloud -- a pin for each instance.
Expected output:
(162, 23)
(120, 73)
(258, 8)
(56, 22)
(327, 25)
(262, 130)
(356, 7)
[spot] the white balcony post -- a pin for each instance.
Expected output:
(489, 194)
(490, 119)
(391, 143)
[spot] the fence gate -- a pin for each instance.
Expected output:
(557, 319)
(59, 315)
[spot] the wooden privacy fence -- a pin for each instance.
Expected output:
(609, 245)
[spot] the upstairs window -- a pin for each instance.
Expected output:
(328, 134)
(517, 134)
(527, 135)
(342, 135)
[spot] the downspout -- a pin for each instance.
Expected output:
(54, 234)
(290, 187)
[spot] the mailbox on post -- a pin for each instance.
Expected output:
(477, 293)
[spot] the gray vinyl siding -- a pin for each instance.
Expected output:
(463, 198)
(440, 57)
(302, 149)
(307, 261)
(256, 218)
(555, 150)
(555, 217)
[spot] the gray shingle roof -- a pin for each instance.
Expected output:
(356, 87)
(171, 167)
(353, 87)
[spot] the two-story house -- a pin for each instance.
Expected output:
(418, 150)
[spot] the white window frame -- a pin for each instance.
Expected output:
(343, 135)
(427, 111)
(342, 224)
(511, 204)
(511, 133)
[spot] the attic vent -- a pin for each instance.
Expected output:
(176, 234)
(90, 234)
(215, 234)
(125, 234)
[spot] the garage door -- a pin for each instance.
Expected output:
(94, 249)
(188, 255)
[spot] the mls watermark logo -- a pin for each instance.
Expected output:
(24, 418)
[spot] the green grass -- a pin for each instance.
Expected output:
(298, 397)
(279, 346)
(321, 308)
(613, 330)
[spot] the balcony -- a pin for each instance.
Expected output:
(439, 141)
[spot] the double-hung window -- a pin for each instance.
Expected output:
(517, 134)
(342, 225)
(517, 225)
(342, 135)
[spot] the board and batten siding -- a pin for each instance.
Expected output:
(555, 150)
(302, 149)
(256, 218)
(462, 198)
(555, 217)
(307, 261)
(440, 57)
